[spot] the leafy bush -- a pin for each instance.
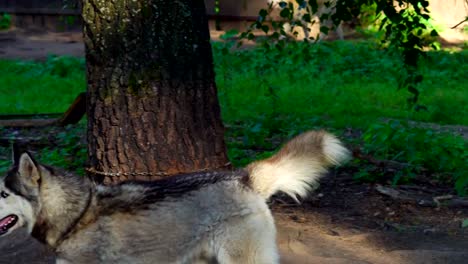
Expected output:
(443, 155)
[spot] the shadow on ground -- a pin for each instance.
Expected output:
(316, 242)
(18, 248)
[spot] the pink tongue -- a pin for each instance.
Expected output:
(5, 220)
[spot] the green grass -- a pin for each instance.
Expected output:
(341, 84)
(28, 87)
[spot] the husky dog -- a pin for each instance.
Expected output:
(209, 217)
(324, 7)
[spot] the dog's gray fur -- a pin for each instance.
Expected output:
(213, 217)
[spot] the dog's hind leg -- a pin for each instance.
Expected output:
(250, 241)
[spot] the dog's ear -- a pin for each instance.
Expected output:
(28, 169)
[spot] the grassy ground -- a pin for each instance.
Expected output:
(33, 87)
(267, 95)
(341, 83)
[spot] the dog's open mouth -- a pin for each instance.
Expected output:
(7, 223)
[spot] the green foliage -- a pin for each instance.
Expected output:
(247, 141)
(70, 152)
(406, 31)
(367, 17)
(5, 21)
(442, 155)
(67, 148)
(260, 136)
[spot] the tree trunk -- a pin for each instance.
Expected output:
(152, 102)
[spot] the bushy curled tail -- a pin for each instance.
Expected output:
(298, 165)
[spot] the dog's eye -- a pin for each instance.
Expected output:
(4, 194)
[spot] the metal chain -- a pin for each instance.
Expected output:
(118, 174)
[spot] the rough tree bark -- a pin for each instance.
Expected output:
(152, 101)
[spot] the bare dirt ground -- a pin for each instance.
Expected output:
(348, 222)
(342, 222)
(37, 45)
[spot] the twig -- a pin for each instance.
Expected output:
(450, 201)
(416, 188)
(73, 115)
(454, 27)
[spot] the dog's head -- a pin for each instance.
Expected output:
(19, 194)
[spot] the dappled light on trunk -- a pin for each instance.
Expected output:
(153, 108)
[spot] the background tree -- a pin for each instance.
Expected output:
(152, 101)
